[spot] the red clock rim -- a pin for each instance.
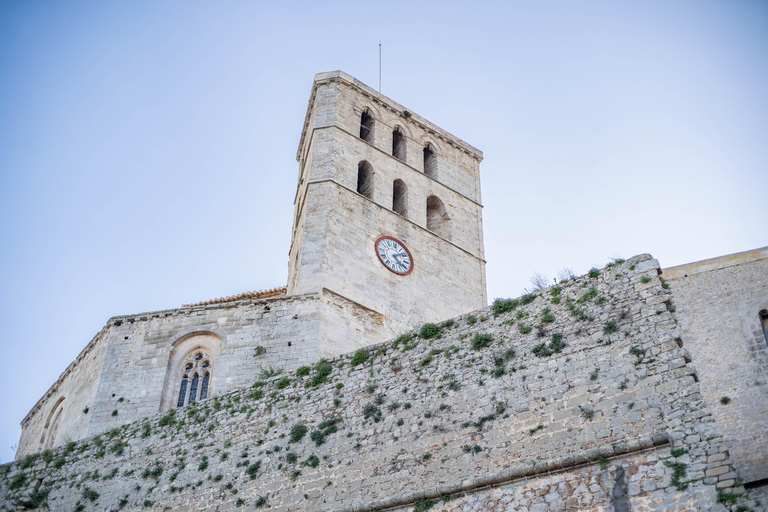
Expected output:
(376, 249)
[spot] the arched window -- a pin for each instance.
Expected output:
(398, 144)
(52, 425)
(430, 161)
(366, 126)
(438, 220)
(764, 322)
(365, 179)
(195, 377)
(400, 198)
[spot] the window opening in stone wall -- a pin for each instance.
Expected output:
(438, 220)
(204, 388)
(195, 377)
(764, 323)
(400, 198)
(430, 161)
(193, 389)
(182, 391)
(365, 179)
(398, 144)
(366, 126)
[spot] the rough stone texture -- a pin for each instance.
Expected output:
(718, 304)
(598, 425)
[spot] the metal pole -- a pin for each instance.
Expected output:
(379, 65)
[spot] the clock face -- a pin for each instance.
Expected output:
(394, 255)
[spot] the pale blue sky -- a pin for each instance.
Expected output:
(147, 149)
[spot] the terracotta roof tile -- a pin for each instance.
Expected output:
(262, 294)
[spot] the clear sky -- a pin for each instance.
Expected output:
(147, 149)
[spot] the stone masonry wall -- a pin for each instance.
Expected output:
(127, 367)
(718, 304)
(578, 398)
(74, 390)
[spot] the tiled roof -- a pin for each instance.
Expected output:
(263, 294)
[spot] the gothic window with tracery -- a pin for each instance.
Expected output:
(196, 370)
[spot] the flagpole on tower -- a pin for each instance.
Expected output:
(379, 65)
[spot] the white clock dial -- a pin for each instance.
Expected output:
(394, 255)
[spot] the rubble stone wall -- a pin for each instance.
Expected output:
(581, 397)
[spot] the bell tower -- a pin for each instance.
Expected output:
(387, 209)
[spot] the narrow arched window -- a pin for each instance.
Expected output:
(182, 391)
(764, 322)
(438, 220)
(366, 126)
(365, 179)
(400, 198)
(195, 375)
(51, 427)
(193, 389)
(398, 144)
(204, 389)
(430, 161)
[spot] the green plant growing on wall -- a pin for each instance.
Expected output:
(203, 464)
(481, 341)
(471, 320)
(546, 316)
(302, 371)
(253, 469)
(593, 273)
(501, 306)
(423, 505)
(261, 502)
(18, 481)
(524, 329)
(371, 412)
(727, 498)
(268, 373)
(725, 400)
(359, 357)
(645, 279)
(429, 331)
(610, 327)
(90, 494)
(168, 419)
(555, 346)
(590, 294)
(298, 431)
(283, 382)
(323, 370)
(258, 351)
(679, 471)
(312, 461)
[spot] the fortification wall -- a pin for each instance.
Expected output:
(718, 305)
(485, 411)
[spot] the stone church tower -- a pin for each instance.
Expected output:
(369, 168)
(387, 235)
